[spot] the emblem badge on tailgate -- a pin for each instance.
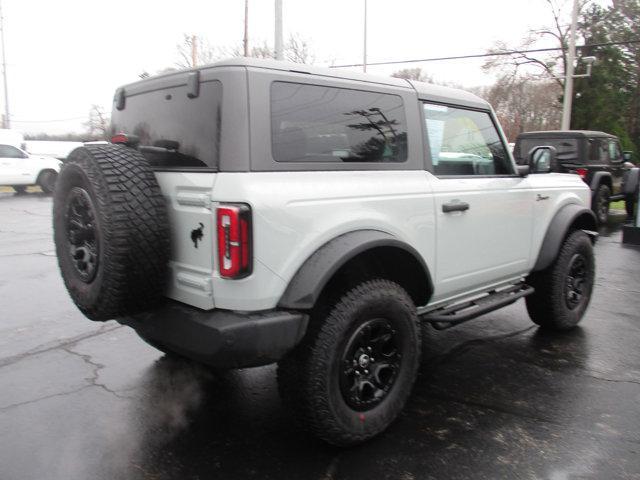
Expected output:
(196, 235)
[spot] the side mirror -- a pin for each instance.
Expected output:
(523, 170)
(542, 159)
(628, 165)
(627, 156)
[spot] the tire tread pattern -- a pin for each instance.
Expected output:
(134, 231)
(303, 387)
(546, 306)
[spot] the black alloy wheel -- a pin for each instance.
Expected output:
(600, 203)
(82, 235)
(371, 361)
(576, 281)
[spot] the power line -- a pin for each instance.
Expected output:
(49, 121)
(482, 55)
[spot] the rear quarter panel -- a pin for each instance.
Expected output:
(295, 213)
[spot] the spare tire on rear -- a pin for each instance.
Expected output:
(111, 231)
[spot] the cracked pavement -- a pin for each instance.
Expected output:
(496, 397)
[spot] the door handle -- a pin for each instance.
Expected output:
(455, 207)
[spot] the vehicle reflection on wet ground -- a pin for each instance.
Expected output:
(496, 397)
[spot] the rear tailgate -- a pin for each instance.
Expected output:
(192, 230)
(175, 122)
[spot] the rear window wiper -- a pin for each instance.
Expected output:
(154, 149)
(161, 146)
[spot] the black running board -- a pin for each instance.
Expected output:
(448, 317)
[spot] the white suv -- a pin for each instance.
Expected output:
(255, 211)
(18, 169)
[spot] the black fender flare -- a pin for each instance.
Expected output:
(564, 219)
(631, 181)
(596, 180)
(307, 284)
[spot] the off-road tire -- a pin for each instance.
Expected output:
(308, 377)
(47, 181)
(630, 204)
(20, 189)
(600, 203)
(548, 306)
(131, 231)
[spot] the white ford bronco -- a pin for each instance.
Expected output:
(251, 212)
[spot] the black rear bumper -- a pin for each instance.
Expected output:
(221, 338)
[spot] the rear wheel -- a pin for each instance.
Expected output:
(600, 203)
(563, 291)
(20, 189)
(352, 374)
(47, 181)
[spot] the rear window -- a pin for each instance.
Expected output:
(174, 131)
(311, 123)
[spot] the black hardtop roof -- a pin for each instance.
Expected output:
(565, 134)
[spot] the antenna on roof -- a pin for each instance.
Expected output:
(278, 31)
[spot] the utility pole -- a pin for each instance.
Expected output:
(568, 79)
(278, 31)
(364, 56)
(246, 28)
(194, 51)
(7, 118)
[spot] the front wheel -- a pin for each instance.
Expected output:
(630, 204)
(47, 181)
(352, 374)
(563, 291)
(600, 203)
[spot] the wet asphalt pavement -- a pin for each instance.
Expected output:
(496, 397)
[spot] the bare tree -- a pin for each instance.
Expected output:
(262, 51)
(522, 104)
(98, 123)
(298, 50)
(413, 74)
(544, 65)
(195, 50)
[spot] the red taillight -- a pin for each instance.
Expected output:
(582, 172)
(123, 138)
(234, 240)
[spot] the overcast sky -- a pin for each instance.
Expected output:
(64, 55)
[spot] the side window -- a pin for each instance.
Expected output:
(311, 123)
(598, 151)
(464, 142)
(614, 151)
(7, 151)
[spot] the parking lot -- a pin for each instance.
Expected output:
(496, 398)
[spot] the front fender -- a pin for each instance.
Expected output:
(564, 219)
(631, 181)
